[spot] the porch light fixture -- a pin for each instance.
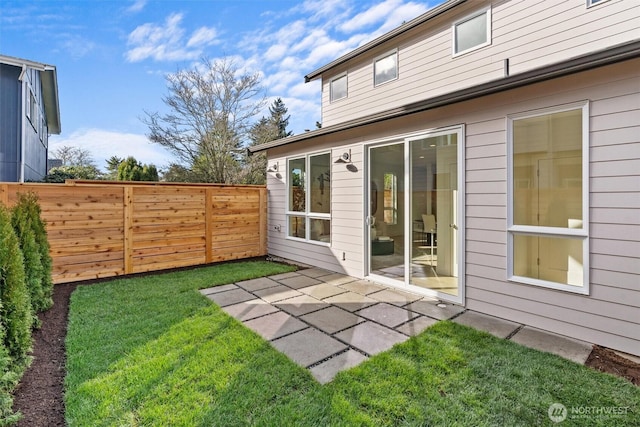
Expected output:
(273, 168)
(345, 158)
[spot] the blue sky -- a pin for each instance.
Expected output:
(112, 56)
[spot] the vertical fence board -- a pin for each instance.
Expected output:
(103, 229)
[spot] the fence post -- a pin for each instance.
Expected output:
(128, 228)
(263, 220)
(208, 225)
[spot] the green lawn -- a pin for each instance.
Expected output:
(151, 351)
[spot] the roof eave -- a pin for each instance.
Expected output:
(428, 15)
(600, 58)
(49, 80)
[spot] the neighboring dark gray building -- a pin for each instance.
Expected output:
(29, 113)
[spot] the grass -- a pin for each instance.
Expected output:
(151, 351)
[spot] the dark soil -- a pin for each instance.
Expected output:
(39, 397)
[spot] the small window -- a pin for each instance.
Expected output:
(385, 68)
(472, 33)
(594, 2)
(338, 88)
(309, 204)
(548, 198)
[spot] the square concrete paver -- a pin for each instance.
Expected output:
(336, 279)
(277, 293)
(362, 287)
(430, 308)
(387, 314)
(332, 319)
(231, 297)
(284, 275)
(301, 304)
(351, 301)
(569, 348)
(327, 370)
(248, 310)
(371, 337)
(257, 284)
(275, 325)
(395, 297)
(299, 282)
(499, 327)
(415, 326)
(315, 272)
(308, 346)
(323, 290)
(216, 289)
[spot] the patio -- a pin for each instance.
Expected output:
(328, 322)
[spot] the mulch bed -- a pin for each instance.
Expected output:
(39, 397)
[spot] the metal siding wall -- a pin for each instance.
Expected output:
(10, 108)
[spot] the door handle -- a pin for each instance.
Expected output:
(455, 227)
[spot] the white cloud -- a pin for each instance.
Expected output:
(168, 42)
(370, 16)
(137, 6)
(104, 143)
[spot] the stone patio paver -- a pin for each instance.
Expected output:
(371, 337)
(351, 301)
(275, 325)
(323, 290)
(216, 289)
(566, 347)
(387, 314)
(430, 308)
(300, 282)
(499, 327)
(284, 275)
(336, 279)
(251, 309)
(327, 370)
(277, 293)
(362, 287)
(301, 305)
(315, 272)
(257, 284)
(308, 346)
(395, 297)
(416, 326)
(231, 297)
(332, 319)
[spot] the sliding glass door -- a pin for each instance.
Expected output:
(414, 221)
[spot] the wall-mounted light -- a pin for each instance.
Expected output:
(345, 157)
(273, 168)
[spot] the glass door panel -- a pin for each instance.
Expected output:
(386, 216)
(434, 212)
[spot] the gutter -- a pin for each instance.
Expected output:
(23, 121)
(607, 56)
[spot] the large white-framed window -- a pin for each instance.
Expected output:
(385, 68)
(338, 88)
(472, 32)
(548, 197)
(309, 198)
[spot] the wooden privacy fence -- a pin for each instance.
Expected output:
(104, 229)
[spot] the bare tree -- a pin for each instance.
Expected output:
(211, 108)
(74, 156)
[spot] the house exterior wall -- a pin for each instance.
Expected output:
(610, 314)
(528, 34)
(16, 126)
(10, 122)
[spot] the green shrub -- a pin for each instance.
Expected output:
(15, 313)
(32, 234)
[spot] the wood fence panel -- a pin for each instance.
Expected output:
(104, 229)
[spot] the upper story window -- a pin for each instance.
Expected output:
(548, 198)
(472, 32)
(385, 68)
(338, 87)
(594, 2)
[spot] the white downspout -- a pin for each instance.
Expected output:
(24, 120)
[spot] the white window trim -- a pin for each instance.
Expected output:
(307, 215)
(486, 11)
(385, 55)
(331, 100)
(582, 233)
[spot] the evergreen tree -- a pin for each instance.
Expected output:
(132, 170)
